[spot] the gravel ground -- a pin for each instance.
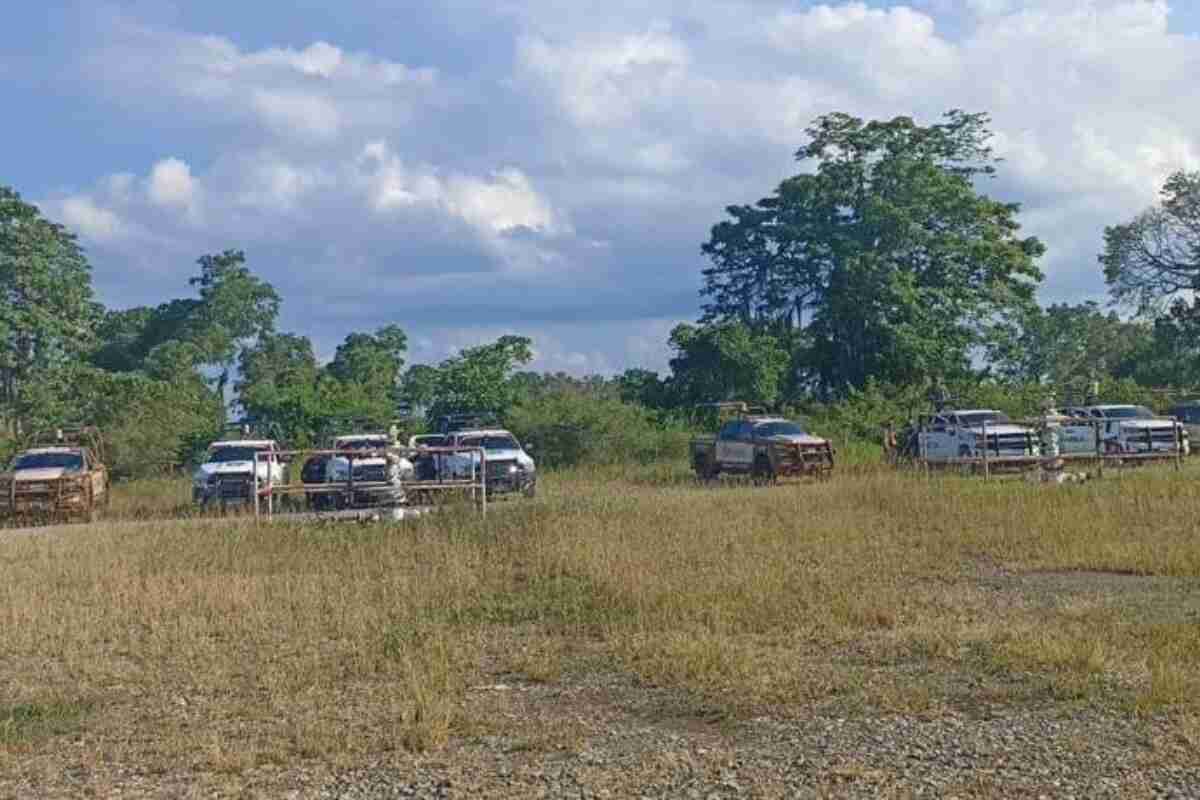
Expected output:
(611, 739)
(1025, 754)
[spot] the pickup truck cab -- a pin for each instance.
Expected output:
(763, 446)
(226, 476)
(1122, 429)
(950, 435)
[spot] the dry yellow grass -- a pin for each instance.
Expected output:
(222, 647)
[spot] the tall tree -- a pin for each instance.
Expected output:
(235, 308)
(374, 360)
(1149, 261)
(47, 314)
(885, 256)
(1152, 264)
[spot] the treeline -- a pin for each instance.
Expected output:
(881, 268)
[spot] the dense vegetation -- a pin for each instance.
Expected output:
(880, 268)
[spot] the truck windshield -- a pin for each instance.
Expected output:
(1128, 412)
(224, 455)
(431, 441)
(364, 444)
(68, 461)
(778, 429)
(490, 442)
(980, 417)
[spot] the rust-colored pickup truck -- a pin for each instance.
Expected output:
(762, 446)
(59, 478)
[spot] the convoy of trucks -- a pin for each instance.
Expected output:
(62, 476)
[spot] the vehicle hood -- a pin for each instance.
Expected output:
(1146, 424)
(519, 456)
(339, 464)
(798, 438)
(230, 468)
(1002, 430)
(41, 474)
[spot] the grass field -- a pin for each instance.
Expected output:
(217, 647)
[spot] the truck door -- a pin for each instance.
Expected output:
(938, 440)
(727, 443)
(744, 446)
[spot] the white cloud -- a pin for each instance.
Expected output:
(309, 94)
(171, 185)
(608, 81)
(80, 213)
(291, 111)
(478, 188)
(501, 203)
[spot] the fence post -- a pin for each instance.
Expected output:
(253, 488)
(987, 467)
(483, 480)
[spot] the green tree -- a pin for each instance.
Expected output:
(235, 308)
(885, 256)
(47, 315)
(418, 386)
(1071, 343)
(1150, 260)
(642, 387)
(478, 378)
(1152, 264)
(726, 361)
(372, 359)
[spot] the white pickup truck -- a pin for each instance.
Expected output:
(510, 468)
(225, 475)
(1121, 429)
(950, 435)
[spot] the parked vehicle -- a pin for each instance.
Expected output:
(1188, 414)
(1121, 429)
(314, 472)
(227, 474)
(763, 446)
(379, 464)
(510, 468)
(62, 477)
(951, 435)
(430, 466)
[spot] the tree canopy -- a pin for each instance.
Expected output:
(1150, 260)
(885, 258)
(47, 314)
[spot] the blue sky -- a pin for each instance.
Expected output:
(475, 168)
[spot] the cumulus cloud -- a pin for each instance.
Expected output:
(496, 207)
(82, 214)
(305, 94)
(171, 185)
